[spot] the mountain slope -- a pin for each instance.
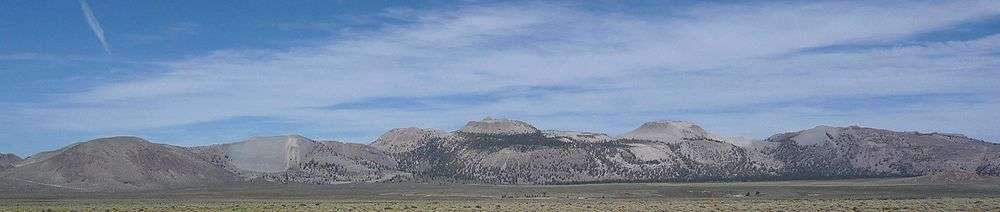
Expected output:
(263, 154)
(667, 131)
(504, 151)
(554, 157)
(8, 160)
(572, 136)
(406, 139)
(854, 151)
(513, 153)
(294, 158)
(118, 164)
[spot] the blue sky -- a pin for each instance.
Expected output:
(196, 72)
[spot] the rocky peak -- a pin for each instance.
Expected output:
(406, 139)
(499, 127)
(668, 131)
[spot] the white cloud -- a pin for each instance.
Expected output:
(639, 67)
(94, 25)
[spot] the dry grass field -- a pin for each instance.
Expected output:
(956, 204)
(837, 195)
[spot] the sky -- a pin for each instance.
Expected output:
(195, 73)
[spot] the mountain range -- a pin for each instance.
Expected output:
(503, 151)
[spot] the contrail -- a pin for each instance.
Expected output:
(94, 25)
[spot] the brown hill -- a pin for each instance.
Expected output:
(118, 164)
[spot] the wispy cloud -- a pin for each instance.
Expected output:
(94, 25)
(614, 70)
(183, 28)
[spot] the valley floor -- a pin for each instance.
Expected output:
(950, 204)
(906, 194)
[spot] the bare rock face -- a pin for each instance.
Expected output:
(667, 131)
(269, 154)
(406, 139)
(8, 160)
(118, 164)
(490, 126)
(817, 135)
